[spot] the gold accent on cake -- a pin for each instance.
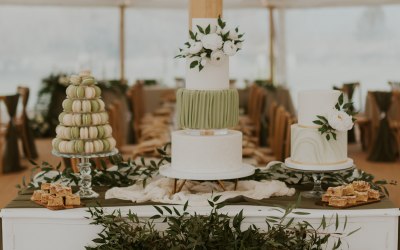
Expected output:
(318, 164)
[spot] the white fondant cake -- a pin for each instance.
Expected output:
(207, 154)
(315, 102)
(213, 76)
(213, 156)
(309, 148)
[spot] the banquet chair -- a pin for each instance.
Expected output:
(22, 123)
(290, 121)
(246, 120)
(276, 150)
(383, 146)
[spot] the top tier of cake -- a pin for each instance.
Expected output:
(315, 102)
(212, 77)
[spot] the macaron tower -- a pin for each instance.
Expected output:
(83, 127)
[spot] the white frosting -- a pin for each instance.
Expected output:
(308, 146)
(315, 102)
(206, 154)
(211, 77)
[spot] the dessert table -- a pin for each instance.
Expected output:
(25, 225)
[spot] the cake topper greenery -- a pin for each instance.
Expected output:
(341, 118)
(211, 44)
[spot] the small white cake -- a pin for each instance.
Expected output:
(309, 148)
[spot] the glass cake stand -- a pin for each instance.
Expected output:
(85, 185)
(317, 176)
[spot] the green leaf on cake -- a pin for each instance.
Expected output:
(192, 35)
(322, 118)
(340, 99)
(220, 23)
(194, 64)
(337, 106)
(208, 29)
(318, 122)
(200, 29)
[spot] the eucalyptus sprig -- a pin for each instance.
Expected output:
(322, 121)
(213, 231)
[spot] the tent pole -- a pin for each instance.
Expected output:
(271, 43)
(204, 9)
(122, 43)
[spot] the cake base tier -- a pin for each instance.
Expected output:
(168, 171)
(319, 167)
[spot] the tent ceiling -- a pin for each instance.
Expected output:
(182, 4)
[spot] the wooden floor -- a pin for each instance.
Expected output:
(389, 171)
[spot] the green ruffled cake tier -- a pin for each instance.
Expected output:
(207, 109)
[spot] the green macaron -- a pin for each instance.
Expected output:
(80, 92)
(95, 105)
(56, 142)
(61, 117)
(71, 91)
(86, 119)
(97, 90)
(78, 146)
(100, 131)
(88, 81)
(106, 144)
(67, 105)
(74, 133)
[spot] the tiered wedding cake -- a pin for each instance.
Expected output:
(84, 127)
(319, 140)
(206, 149)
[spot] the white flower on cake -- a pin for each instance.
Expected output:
(230, 48)
(340, 120)
(203, 62)
(217, 57)
(195, 48)
(233, 35)
(213, 42)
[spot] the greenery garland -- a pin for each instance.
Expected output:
(192, 231)
(130, 172)
(214, 231)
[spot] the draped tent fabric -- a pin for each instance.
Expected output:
(383, 148)
(11, 156)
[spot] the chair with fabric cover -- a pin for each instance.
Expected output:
(384, 144)
(22, 123)
(10, 151)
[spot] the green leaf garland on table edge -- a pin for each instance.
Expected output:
(213, 231)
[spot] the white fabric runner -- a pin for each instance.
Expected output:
(197, 193)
